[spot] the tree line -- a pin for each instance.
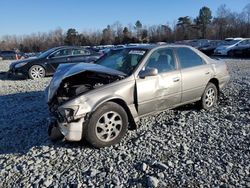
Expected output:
(224, 24)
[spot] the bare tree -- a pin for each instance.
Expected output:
(117, 32)
(246, 11)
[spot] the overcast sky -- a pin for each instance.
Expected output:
(23, 17)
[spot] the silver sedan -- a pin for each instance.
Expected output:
(100, 101)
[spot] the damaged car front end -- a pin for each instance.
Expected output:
(68, 110)
(79, 94)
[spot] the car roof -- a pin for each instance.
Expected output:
(139, 47)
(67, 47)
(142, 47)
(155, 46)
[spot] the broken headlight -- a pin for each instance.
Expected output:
(68, 113)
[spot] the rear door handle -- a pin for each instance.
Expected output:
(176, 79)
(207, 72)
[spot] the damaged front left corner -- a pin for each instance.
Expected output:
(65, 95)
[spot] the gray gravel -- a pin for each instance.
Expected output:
(176, 148)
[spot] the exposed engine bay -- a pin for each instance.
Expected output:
(79, 84)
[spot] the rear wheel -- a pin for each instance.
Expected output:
(36, 72)
(209, 97)
(107, 125)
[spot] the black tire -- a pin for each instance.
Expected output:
(209, 97)
(231, 54)
(36, 72)
(54, 133)
(100, 133)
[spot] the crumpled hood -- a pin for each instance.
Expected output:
(70, 69)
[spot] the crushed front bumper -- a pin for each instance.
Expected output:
(71, 131)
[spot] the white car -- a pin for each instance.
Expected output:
(228, 45)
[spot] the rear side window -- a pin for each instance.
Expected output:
(62, 53)
(81, 52)
(188, 58)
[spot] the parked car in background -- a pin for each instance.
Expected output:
(104, 50)
(119, 46)
(161, 43)
(210, 47)
(47, 62)
(99, 101)
(240, 51)
(31, 54)
(230, 44)
(184, 42)
(199, 43)
(8, 55)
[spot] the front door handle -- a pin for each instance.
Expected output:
(176, 79)
(207, 72)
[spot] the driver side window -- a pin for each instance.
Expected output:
(163, 60)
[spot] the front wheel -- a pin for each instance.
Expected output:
(36, 72)
(209, 97)
(107, 125)
(54, 133)
(231, 53)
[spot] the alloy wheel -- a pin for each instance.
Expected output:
(37, 72)
(210, 97)
(109, 126)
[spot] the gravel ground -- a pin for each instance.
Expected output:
(184, 147)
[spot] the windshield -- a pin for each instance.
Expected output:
(125, 60)
(46, 53)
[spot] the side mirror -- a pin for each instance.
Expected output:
(148, 72)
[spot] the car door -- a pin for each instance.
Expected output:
(58, 57)
(195, 73)
(155, 93)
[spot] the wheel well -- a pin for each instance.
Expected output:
(216, 83)
(37, 65)
(132, 124)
